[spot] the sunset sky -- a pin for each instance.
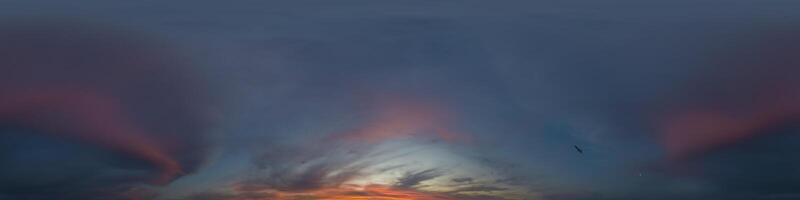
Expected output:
(400, 99)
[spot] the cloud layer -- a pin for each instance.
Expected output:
(104, 89)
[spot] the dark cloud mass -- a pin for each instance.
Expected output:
(125, 110)
(399, 100)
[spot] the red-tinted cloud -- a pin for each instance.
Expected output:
(698, 131)
(88, 117)
(105, 88)
(741, 96)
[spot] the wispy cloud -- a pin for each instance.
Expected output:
(413, 179)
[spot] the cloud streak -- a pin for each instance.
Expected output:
(108, 90)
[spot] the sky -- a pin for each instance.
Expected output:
(399, 100)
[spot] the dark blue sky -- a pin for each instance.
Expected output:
(399, 99)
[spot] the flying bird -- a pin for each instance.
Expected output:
(578, 149)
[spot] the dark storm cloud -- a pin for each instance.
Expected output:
(77, 89)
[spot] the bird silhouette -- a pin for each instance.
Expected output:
(578, 149)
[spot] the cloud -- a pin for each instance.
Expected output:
(462, 180)
(337, 169)
(734, 116)
(413, 179)
(479, 188)
(754, 95)
(377, 192)
(301, 168)
(301, 177)
(128, 99)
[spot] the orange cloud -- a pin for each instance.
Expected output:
(369, 192)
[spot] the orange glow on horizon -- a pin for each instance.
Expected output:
(369, 192)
